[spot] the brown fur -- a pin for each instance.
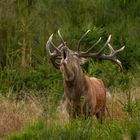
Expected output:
(84, 95)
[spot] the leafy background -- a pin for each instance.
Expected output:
(25, 70)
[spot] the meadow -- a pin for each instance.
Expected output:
(31, 89)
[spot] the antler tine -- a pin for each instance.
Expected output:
(105, 45)
(60, 46)
(94, 45)
(50, 40)
(53, 56)
(113, 51)
(118, 62)
(113, 54)
(63, 42)
(47, 47)
(78, 47)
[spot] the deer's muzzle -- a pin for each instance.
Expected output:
(64, 53)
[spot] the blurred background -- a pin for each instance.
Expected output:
(25, 26)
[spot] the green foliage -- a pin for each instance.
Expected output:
(79, 129)
(131, 105)
(112, 75)
(34, 131)
(29, 23)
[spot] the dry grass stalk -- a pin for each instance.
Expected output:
(13, 114)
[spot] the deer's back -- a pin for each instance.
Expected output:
(97, 94)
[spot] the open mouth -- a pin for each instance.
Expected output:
(64, 54)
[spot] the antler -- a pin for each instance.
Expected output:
(57, 53)
(100, 54)
(63, 42)
(79, 43)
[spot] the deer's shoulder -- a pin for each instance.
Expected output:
(96, 81)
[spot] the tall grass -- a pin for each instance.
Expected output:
(38, 117)
(14, 114)
(80, 130)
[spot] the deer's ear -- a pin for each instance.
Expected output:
(82, 60)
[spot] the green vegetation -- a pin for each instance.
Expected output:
(80, 129)
(25, 26)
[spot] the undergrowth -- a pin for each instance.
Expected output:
(80, 129)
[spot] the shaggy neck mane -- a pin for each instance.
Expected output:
(75, 88)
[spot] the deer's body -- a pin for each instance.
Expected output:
(84, 95)
(92, 92)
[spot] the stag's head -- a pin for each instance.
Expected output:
(70, 60)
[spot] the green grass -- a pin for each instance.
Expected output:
(79, 129)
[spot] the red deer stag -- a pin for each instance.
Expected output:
(83, 95)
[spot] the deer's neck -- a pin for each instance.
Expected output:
(75, 88)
